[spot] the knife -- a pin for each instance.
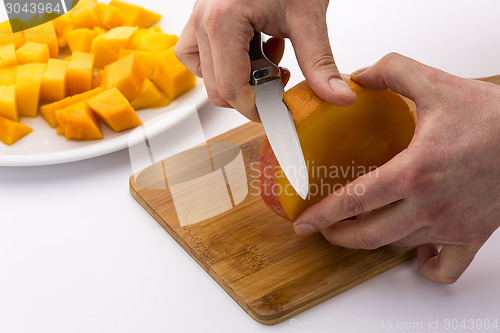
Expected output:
(277, 120)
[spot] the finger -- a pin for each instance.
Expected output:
(274, 49)
(232, 67)
(400, 74)
(366, 193)
(375, 229)
(315, 58)
(186, 49)
(447, 265)
(207, 67)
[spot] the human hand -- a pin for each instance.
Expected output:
(215, 43)
(443, 189)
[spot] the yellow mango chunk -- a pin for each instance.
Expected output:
(32, 52)
(79, 73)
(8, 75)
(146, 59)
(148, 97)
(110, 17)
(97, 82)
(8, 55)
(44, 34)
(135, 16)
(53, 86)
(83, 16)
(171, 76)
(28, 81)
(156, 42)
(99, 31)
(8, 106)
(62, 24)
(12, 131)
(77, 122)
(107, 46)
(48, 111)
(8, 37)
(79, 40)
(114, 110)
(126, 74)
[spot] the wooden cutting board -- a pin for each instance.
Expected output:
(253, 254)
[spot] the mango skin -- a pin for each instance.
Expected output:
(339, 143)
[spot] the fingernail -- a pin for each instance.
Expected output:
(304, 229)
(339, 86)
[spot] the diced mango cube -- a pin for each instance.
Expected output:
(99, 31)
(8, 106)
(148, 97)
(156, 42)
(110, 17)
(8, 75)
(125, 74)
(83, 16)
(146, 59)
(32, 52)
(28, 81)
(135, 16)
(44, 34)
(8, 55)
(53, 87)
(12, 131)
(79, 40)
(114, 110)
(62, 24)
(48, 111)
(171, 76)
(79, 73)
(97, 82)
(8, 37)
(107, 46)
(78, 122)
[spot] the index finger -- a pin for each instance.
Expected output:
(373, 190)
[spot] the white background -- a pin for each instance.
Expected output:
(78, 254)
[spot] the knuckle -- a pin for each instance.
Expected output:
(351, 205)
(366, 240)
(216, 99)
(226, 91)
(323, 63)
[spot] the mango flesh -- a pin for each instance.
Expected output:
(8, 105)
(28, 82)
(78, 122)
(135, 16)
(114, 110)
(126, 74)
(8, 55)
(53, 86)
(11, 131)
(44, 34)
(32, 52)
(79, 73)
(339, 143)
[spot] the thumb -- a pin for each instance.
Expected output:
(314, 55)
(400, 74)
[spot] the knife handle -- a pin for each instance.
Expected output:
(263, 69)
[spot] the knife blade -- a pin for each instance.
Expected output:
(276, 117)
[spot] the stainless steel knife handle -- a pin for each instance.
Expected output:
(263, 69)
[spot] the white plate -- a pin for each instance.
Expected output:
(43, 146)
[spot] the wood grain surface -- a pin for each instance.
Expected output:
(252, 253)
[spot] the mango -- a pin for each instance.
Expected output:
(80, 40)
(78, 122)
(83, 16)
(8, 75)
(8, 37)
(339, 143)
(126, 74)
(48, 111)
(62, 24)
(8, 106)
(28, 81)
(148, 97)
(8, 55)
(135, 16)
(53, 86)
(107, 46)
(12, 131)
(79, 73)
(171, 76)
(44, 34)
(110, 17)
(146, 59)
(156, 42)
(32, 52)
(114, 110)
